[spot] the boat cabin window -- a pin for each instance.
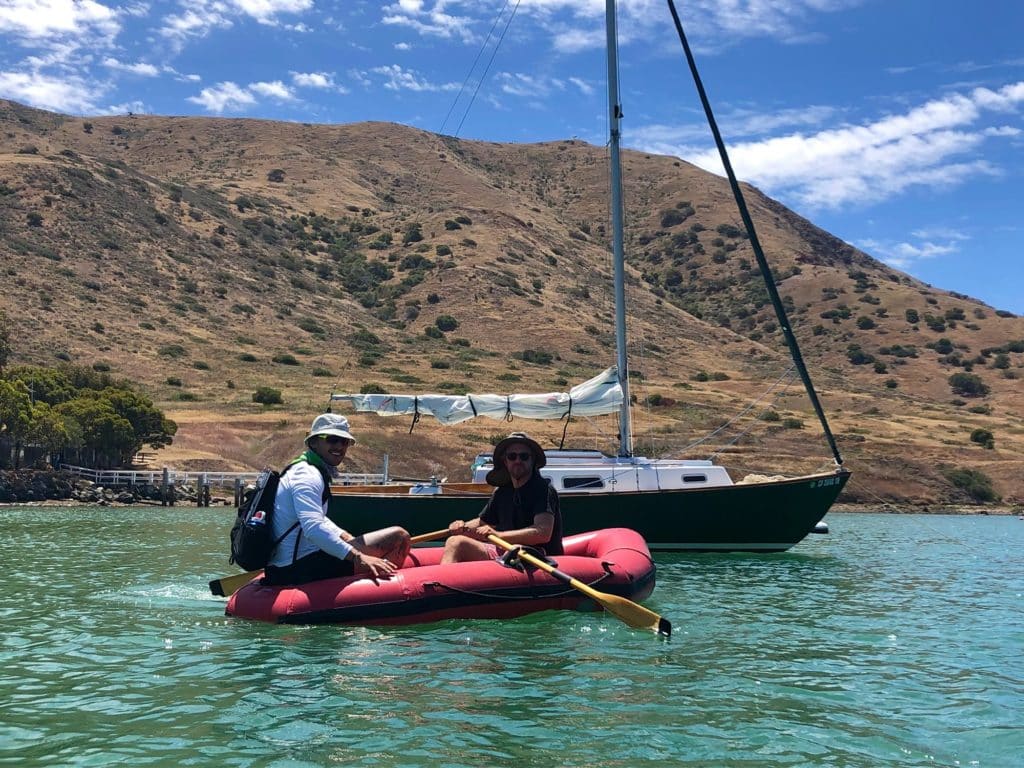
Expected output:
(695, 478)
(582, 482)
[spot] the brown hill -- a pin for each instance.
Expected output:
(204, 258)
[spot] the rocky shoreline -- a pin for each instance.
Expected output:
(44, 487)
(929, 509)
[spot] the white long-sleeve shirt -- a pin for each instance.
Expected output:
(299, 497)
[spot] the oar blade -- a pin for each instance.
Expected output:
(635, 615)
(631, 613)
(228, 585)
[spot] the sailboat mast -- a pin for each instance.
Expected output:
(618, 251)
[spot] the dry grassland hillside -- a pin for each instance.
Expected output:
(205, 259)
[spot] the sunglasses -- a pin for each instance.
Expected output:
(522, 456)
(335, 440)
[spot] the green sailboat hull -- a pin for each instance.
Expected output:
(756, 517)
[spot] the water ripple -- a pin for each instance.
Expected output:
(895, 641)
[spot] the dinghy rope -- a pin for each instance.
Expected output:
(490, 596)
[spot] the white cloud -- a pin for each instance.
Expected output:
(141, 68)
(199, 17)
(65, 94)
(194, 22)
(313, 79)
(940, 233)
(266, 11)
(723, 22)
(274, 90)
(44, 19)
(575, 25)
(360, 78)
(585, 88)
(231, 97)
(935, 144)
(433, 22)
(528, 86)
(61, 54)
(1006, 99)
(397, 78)
(129, 107)
(575, 40)
(226, 96)
(905, 255)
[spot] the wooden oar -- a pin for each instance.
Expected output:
(228, 585)
(633, 614)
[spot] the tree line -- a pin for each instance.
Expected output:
(75, 415)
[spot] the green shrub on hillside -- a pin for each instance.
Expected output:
(865, 323)
(535, 356)
(267, 396)
(858, 356)
(975, 483)
(172, 350)
(446, 323)
(968, 385)
(309, 325)
(983, 437)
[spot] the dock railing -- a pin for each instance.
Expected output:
(109, 478)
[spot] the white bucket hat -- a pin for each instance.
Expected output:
(330, 424)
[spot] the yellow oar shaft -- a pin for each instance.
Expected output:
(633, 614)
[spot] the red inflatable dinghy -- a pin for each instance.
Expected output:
(613, 560)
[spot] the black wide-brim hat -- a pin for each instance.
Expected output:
(499, 475)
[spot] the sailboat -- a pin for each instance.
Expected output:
(676, 505)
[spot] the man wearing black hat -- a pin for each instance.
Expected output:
(522, 510)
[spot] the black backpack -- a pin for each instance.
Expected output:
(251, 535)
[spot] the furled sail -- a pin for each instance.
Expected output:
(600, 395)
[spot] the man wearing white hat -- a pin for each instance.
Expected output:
(310, 545)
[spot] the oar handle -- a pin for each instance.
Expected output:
(432, 536)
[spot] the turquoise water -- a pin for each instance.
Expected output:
(894, 641)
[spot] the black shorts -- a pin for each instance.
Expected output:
(314, 567)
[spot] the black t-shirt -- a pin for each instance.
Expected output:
(510, 508)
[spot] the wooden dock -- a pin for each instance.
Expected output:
(110, 478)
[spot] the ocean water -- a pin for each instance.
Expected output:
(897, 640)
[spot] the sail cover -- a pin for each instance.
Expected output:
(600, 395)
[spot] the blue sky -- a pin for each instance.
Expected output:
(894, 124)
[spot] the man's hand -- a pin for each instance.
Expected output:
(482, 531)
(375, 566)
